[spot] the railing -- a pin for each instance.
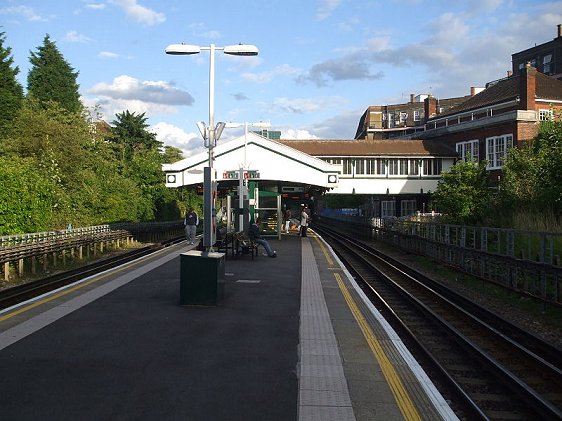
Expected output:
(30, 252)
(543, 247)
(519, 260)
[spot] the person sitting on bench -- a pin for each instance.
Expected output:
(254, 234)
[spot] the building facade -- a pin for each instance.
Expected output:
(394, 177)
(506, 114)
(396, 120)
(546, 58)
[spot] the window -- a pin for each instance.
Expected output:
(370, 166)
(347, 166)
(381, 167)
(468, 151)
(388, 208)
(417, 115)
(359, 166)
(414, 167)
(546, 62)
(391, 120)
(431, 166)
(404, 169)
(408, 207)
(403, 117)
(497, 148)
(546, 115)
(393, 167)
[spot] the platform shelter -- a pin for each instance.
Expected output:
(255, 165)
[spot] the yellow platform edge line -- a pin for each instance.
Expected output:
(401, 396)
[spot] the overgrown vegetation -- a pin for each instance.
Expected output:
(529, 195)
(58, 166)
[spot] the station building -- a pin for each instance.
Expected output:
(391, 178)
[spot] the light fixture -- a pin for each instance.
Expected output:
(210, 133)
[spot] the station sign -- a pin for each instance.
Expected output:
(233, 175)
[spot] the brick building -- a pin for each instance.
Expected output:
(506, 114)
(395, 120)
(546, 58)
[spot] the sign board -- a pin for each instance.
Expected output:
(233, 175)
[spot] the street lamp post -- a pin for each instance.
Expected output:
(210, 133)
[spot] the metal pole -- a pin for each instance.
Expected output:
(208, 188)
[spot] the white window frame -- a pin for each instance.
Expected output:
(417, 115)
(546, 63)
(469, 150)
(408, 207)
(431, 166)
(347, 166)
(388, 208)
(496, 150)
(546, 115)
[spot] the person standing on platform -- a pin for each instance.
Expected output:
(191, 222)
(304, 221)
(254, 234)
(287, 215)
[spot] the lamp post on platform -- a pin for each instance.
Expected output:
(210, 133)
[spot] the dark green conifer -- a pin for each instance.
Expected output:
(11, 91)
(52, 78)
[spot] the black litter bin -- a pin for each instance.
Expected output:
(201, 278)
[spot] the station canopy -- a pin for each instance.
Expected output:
(263, 160)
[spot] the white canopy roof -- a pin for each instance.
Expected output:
(264, 159)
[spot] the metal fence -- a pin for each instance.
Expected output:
(520, 260)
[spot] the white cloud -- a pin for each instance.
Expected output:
(297, 134)
(128, 93)
(157, 92)
(140, 14)
(108, 54)
(307, 105)
(326, 8)
(170, 135)
(95, 6)
(265, 77)
(25, 11)
(200, 30)
(74, 36)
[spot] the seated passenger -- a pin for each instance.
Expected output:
(254, 234)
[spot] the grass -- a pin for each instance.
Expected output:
(547, 314)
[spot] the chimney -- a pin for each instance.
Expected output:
(559, 30)
(527, 88)
(412, 96)
(509, 73)
(472, 91)
(430, 107)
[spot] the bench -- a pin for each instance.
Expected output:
(244, 245)
(226, 240)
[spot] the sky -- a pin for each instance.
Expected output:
(321, 63)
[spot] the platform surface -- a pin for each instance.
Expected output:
(283, 344)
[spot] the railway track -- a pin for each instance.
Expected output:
(15, 295)
(487, 367)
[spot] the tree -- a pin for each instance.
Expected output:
(462, 193)
(129, 135)
(171, 154)
(11, 91)
(27, 197)
(531, 175)
(51, 77)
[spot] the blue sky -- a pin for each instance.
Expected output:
(321, 62)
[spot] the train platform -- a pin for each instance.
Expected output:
(293, 338)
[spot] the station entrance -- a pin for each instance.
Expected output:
(255, 176)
